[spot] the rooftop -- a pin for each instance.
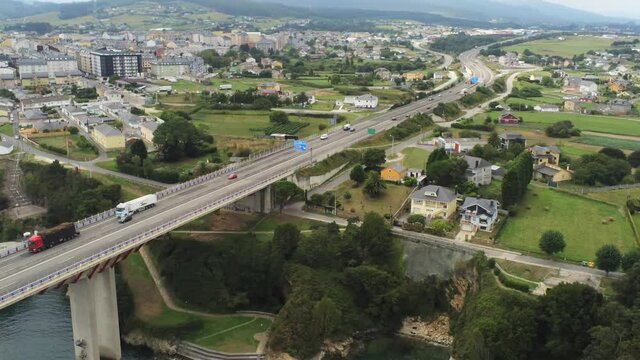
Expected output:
(434, 193)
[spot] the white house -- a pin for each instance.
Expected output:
(546, 108)
(478, 214)
(479, 170)
(367, 101)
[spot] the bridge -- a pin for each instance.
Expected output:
(86, 263)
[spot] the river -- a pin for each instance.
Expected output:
(39, 328)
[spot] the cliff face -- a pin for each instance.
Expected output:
(464, 282)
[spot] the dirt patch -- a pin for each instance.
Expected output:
(435, 330)
(234, 143)
(147, 300)
(231, 221)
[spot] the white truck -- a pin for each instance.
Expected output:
(125, 211)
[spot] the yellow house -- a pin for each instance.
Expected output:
(413, 76)
(268, 88)
(433, 202)
(147, 129)
(545, 155)
(108, 137)
(551, 173)
(393, 173)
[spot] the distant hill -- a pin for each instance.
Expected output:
(518, 11)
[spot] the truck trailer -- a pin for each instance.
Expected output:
(124, 211)
(51, 237)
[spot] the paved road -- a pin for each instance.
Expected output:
(24, 268)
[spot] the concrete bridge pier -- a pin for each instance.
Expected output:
(262, 201)
(94, 315)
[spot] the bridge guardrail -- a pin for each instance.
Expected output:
(187, 184)
(12, 250)
(141, 239)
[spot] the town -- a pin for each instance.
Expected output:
(215, 182)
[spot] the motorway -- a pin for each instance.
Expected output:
(23, 268)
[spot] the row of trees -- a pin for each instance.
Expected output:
(517, 178)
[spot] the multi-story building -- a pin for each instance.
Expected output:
(84, 61)
(61, 64)
(109, 62)
(478, 171)
(177, 66)
(31, 67)
(433, 202)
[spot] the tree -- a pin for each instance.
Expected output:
(374, 185)
(437, 155)
(177, 137)
(285, 240)
(562, 129)
(139, 149)
(357, 174)
(73, 130)
(326, 317)
(301, 98)
(634, 159)
(284, 191)
(608, 258)
(613, 153)
(567, 312)
(449, 173)
(629, 259)
(373, 158)
(592, 169)
(279, 117)
(494, 140)
(510, 189)
(552, 242)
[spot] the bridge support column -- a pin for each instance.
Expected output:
(266, 200)
(94, 315)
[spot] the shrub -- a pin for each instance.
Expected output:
(73, 130)
(416, 218)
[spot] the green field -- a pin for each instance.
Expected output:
(579, 219)
(616, 196)
(414, 158)
(574, 152)
(572, 45)
(246, 123)
(75, 152)
(387, 203)
(595, 123)
(609, 142)
(7, 129)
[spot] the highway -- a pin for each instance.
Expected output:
(23, 268)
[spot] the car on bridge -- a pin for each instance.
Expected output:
(324, 137)
(232, 176)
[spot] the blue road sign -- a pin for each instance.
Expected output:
(300, 146)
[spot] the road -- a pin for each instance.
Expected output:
(23, 268)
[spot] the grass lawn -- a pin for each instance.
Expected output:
(75, 152)
(574, 152)
(616, 196)
(273, 220)
(526, 271)
(223, 333)
(602, 141)
(7, 129)
(596, 123)
(414, 158)
(387, 203)
(109, 165)
(572, 45)
(130, 190)
(579, 219)
(247, 123)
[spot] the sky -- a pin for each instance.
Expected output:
(623, 8)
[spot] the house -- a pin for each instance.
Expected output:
(366, 101)
(616, 107)
(572, 84)
(572, 105)
(497, 172)
(546, 108)
(588, 88)
(509, 118)
(394, 173)
(413, 76)
(268, 88)
(48, 101)
(147, 129)
(478, 171)
(52, 125)
(545, 155)
(551, 173)
(433, 202)
(108, 137)
(478, 214)
(458, 146)
(509, 139)
(225, 87)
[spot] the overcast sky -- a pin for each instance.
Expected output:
(624, 8)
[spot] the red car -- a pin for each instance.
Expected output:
(232, 177)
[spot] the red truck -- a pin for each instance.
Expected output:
(52, 237)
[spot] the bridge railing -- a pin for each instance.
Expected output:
(136, 240)
(13, 249)
(187, 184)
